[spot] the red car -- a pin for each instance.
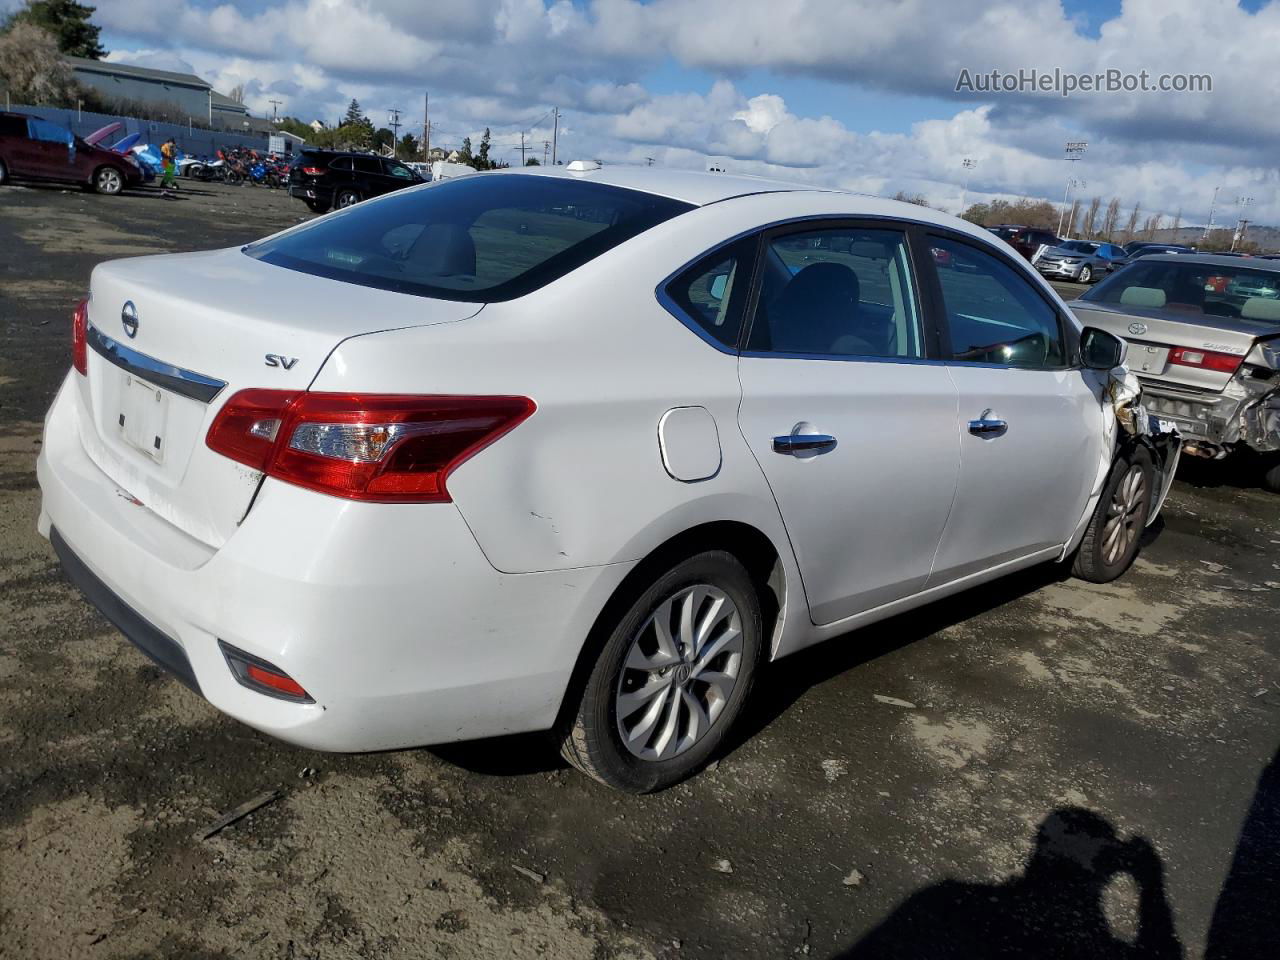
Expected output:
(32, 148)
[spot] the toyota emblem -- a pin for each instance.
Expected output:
(1137, 329)
(129, 317)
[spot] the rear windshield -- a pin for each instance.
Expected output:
(481, 239)
(1190, 288)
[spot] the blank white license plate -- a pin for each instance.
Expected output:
(144, 410)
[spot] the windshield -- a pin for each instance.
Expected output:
(1190, 288)
(480, 239)
(1078, 246)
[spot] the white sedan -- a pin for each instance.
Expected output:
(576, 449)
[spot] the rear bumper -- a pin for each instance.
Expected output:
(392, 619)
(1238, 415)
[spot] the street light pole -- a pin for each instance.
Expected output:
(1074, 151)
(968, 165)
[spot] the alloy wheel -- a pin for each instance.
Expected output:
(1086, 274)
(1124, 515)
(679, 673)
(109, 180)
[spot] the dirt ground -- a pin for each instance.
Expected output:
(1038, 768)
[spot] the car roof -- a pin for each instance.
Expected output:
(691, 186)
(1214, 260)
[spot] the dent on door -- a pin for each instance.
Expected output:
(689, 444)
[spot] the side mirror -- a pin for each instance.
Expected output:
(1100, 350)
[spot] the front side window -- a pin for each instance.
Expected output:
(476, 239)
(398, 170)
(712, 292)
(995, 313)
(840, 292)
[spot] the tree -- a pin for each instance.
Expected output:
(67, 21)
(1177, 226)
(32, 67)
(408, 147)
(355, 115)
(1131, 228)
(296, 127)
(532, 162)
(1110, 219)
(482, 158)
(1090, 223)
(919, 199)
(237, 93)
(1026, 212)
(464, 152)
(383, 137)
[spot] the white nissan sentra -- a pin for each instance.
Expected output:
(578, 449)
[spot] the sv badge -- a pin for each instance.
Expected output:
(275, 360)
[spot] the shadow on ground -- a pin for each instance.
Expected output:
(1055, 908)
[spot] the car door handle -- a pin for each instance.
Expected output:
(794, 443)
(988, 427)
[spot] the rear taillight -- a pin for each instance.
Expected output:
(1205, 359)
(80, 338)
(313, 171)
(377, 447)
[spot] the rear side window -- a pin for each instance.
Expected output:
(713, 291)
(13, 127)
(50, 132)
(995, 314)
(341, 163)
(478, 239)
(367, 164)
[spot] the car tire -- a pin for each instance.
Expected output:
(1271, 477)
(1114, 533)
(639, 744)
(345, 198)
(108, 181)
(1086, 274)
(4, 173)
(318, 206)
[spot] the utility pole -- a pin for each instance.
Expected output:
(555, 135)
(522, 148)
(648, 161)
(426, 127)
(275, 110)
(393, 121)
(546, 148)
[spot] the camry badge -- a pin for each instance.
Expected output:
(129, 317)
(1137, 329)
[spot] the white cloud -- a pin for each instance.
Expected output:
(502, 63)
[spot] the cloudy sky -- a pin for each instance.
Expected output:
(855, 93)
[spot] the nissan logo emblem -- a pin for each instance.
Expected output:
(129, 317)
(1137, 329)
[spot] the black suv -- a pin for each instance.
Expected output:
(327, 178)
(1026, 240)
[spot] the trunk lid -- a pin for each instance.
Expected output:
(1151, 336)
(173, 337)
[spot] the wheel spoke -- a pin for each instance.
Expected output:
(668, 652)
(650, 718)
(698, 719)
(731, 639)
(708, 623)
(665, 744)
(629, 703)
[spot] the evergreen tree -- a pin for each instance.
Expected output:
(68, 21)
(482, 158)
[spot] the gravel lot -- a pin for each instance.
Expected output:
(1038, 768)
